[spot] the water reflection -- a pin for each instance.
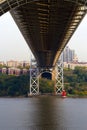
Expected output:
(43, 113)
(49, 114)
(46, 113)
(53, 113)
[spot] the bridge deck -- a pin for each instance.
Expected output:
(47, 25)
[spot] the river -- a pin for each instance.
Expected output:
(43, 113)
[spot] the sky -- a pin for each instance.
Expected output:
(12, 44)
(78, 42)
(14, 47)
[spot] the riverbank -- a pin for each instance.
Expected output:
(76, 96)
(45, 95)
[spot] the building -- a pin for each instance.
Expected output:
(4, 70)
(14, 71)
(74, 64)
(68, 55)
(2, 63)
(11, 71)
(24, 64)
(12, 63)
(24, 71)
(15, 67)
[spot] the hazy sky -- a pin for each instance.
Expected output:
(13, 45)
(78, 42)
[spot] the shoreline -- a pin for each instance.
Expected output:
(44, 95)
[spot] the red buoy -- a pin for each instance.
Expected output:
(63, 94)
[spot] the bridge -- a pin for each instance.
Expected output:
(46, 25)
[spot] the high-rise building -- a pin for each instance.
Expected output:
(68, 55)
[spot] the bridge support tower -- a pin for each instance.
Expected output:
(58, 79)
(34, 80)
(57, 76)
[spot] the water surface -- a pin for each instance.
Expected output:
(43, 113)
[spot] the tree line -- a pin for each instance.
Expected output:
(11, 85)
(75, 83)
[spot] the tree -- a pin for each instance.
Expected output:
(46, 86)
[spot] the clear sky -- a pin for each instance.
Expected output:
(14, 47)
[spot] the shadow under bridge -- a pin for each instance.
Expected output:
(46, 25)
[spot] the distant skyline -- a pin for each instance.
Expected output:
(14, 47)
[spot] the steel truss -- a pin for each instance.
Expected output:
(34, 80)
(59, 81)
(35, 73)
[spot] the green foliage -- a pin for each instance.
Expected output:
(76, 80)
(46, 86)
(19, 85)
(14, 85)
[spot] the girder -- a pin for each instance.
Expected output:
(47, 25)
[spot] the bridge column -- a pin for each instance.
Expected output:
(59, 82)
(34, 80)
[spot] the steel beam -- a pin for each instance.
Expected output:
(59, 81)
(34, 80)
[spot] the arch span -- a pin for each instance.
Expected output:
(46, 74)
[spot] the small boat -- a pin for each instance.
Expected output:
(63, 94)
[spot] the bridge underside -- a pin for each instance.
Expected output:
(47, 25)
